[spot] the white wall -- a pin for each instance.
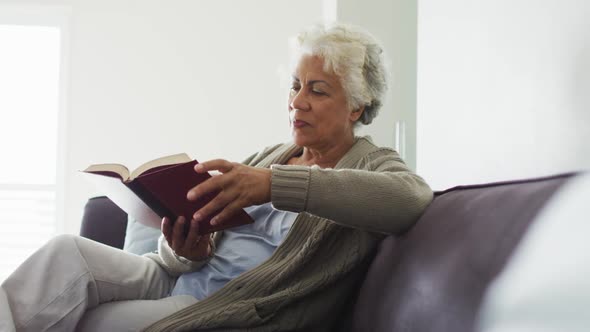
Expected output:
(503, 89)
(394, 24)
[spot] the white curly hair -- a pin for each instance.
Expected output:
(355, 56)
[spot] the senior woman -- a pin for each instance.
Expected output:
(321, 204)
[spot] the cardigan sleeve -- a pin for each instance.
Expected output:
(381, 194)
(176, 265)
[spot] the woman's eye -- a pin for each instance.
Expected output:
(318, 92)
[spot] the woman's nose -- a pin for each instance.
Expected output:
(299, 101)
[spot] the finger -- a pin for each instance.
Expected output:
(216, 204)
(220, 165)
(227, 213)
(204, 245)
(211, 185)
(193, 236)
(167, 229)
(178, 235)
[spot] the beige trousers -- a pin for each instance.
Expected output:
(55, 287)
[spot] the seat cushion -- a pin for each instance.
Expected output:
(433, 277)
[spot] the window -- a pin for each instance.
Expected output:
(30, 63)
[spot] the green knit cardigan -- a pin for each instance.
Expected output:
(343, 213)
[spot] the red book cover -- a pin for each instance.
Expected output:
(159, 192)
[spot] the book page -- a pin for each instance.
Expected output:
(125, 198)
(163, 161)
(114, 168)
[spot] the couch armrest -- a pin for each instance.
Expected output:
(104, 222)
(433, 277)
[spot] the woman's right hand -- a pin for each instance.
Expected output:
(191, 246)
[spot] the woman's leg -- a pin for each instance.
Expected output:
(132, 315)
(71, 274)
(6, 323)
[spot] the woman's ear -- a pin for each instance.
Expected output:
(356, 114)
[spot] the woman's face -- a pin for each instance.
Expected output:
(318, 111)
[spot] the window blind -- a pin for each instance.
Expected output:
(28, 220)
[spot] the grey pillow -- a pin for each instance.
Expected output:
(140, 239)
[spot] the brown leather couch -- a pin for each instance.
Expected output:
(432, 278)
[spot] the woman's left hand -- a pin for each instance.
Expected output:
(239, 186)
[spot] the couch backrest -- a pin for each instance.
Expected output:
(103, 221)
(433, 277)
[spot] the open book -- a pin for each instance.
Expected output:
(158, 189)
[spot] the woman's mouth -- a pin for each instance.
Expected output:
(299, 124)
